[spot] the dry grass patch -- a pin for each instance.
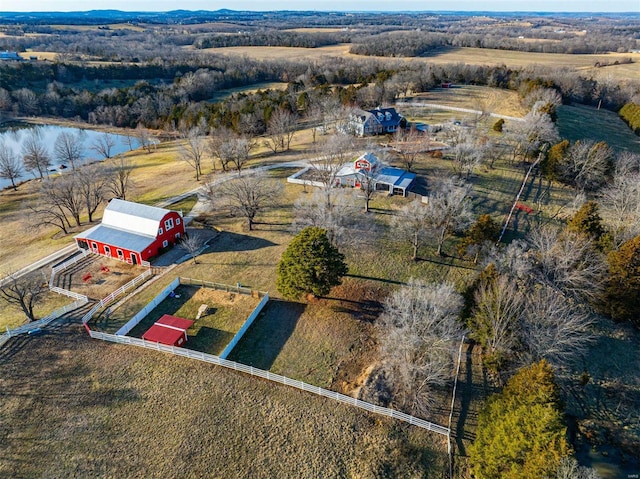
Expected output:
(493, 100)
(97, 276)
(76, 406)
(11, 317)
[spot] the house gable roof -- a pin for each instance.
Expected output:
(386, 116)
(133, 217)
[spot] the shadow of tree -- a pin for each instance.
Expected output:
(265, 339)
(230, 241)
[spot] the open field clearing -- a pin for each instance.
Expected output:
(222, 94)
(281, 53)
(76, 406)
(493, 100)
(471, 56)
(582, 122)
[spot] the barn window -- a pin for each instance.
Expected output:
(120, 253)
(168, 224)
(165, 243)
(177, 221)
(160, 231)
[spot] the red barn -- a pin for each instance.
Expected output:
(169, 330)
(132, 232)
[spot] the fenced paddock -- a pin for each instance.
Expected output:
(269, 376)
(229, 312)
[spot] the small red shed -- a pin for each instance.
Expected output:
(132, 232)
(169, 330)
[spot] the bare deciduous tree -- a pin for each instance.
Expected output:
(525, 138)
(64, 194)
(448, 209)
(245, 195)
(192, 243)
(280, 131)
(35, 156)
(104, 144)
(586, 165)
(144, 138)
(410, 225)
(567, 262)
(10, 165)
(333, 152)
(409, 144)
(68, 149)
(419, 333)
(496, 317)
(91, 182)
(554, 327)
(23, 292)
(119, 176)
(338, 216)
(193, 150)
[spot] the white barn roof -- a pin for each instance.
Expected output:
(133, 217)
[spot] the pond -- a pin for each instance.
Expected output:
(16, 135)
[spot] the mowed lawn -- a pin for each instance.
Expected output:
(76, 407)
(583, 122)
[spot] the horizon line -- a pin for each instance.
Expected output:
(630, 12)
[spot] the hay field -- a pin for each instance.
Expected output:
(76, 407)
(222, 94)
(471, 56)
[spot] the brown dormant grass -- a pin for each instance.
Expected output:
(73, 406)
(471, 56)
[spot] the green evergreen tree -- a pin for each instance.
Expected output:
(483, 230)
(498, 125)
(587, 221)
(521, 433)
(550, 166)
(623, 288)
(310, 264)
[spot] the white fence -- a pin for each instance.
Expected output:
(41, 323)
(245, 326)
(62, 266)
(209, 358)
(295, 178)
(66, 292)
(115, 294)
(133, 322)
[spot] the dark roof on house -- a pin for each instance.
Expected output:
(387, 116)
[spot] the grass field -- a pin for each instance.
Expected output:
(493, 100)
(582, 122)
(471, 56)
(222, 94)
(73, 406)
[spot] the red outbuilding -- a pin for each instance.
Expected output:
(132, 232)
(169, 330)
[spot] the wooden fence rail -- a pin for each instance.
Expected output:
(209, 358)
